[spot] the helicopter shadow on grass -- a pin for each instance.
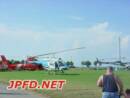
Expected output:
(62, 73)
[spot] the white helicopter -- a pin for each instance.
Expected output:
(120, 62)
(50, 62)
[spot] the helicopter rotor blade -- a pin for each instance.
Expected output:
(57, 52)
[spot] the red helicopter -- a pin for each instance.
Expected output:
(25, 65)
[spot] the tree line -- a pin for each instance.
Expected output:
(86, 63)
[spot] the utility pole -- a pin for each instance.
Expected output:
(119, 49)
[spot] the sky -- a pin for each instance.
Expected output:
(33, 27)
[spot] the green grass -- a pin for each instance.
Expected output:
(80, 83)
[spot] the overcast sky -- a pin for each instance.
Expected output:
(31, 27)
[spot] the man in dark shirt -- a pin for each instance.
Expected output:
(111, 84)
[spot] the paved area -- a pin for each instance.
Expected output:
(4, 93)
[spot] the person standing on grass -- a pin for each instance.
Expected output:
(112, 86)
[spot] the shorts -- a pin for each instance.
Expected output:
(110, 95)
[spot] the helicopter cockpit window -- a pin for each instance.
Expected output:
(51, 63)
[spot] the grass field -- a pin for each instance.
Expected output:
(81, 83)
